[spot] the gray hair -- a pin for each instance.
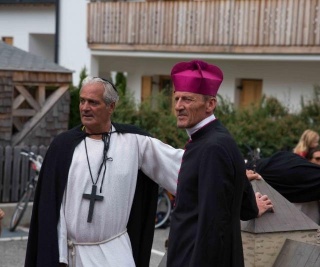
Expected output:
(110, 94)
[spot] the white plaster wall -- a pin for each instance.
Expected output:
(135, 68)
(285, 80)
(73, 49)
(42, 45)
(19, 21)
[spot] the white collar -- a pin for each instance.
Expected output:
(191, 131)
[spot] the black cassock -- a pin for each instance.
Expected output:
(294, 177)
(213, 194)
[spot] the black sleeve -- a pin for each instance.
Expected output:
(249, 208)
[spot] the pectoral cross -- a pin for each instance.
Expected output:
(93, 197)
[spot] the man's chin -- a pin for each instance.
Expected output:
(181, 125)
(86, 120)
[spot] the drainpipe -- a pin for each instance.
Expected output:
(56, 38)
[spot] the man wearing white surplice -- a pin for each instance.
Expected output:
(111, 215)
(93, 206)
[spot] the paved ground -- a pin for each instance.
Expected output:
(13, 247)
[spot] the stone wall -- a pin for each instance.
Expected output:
(261, 250)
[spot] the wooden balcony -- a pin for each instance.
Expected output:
(217, 26)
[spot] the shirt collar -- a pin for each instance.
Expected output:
(191, 131)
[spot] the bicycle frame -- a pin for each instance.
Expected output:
(164, 207)
(35, 164)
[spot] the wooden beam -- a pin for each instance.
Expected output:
(36, 78)
(29, 98)
(17, 124)
(51, 100)
(41, 95)
(23, 113)
(28, 83)
(18, 101)
(245, 49)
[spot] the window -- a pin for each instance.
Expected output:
(8, 40)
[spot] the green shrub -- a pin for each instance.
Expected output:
(267, 125)
(74, 115)
(158, 121)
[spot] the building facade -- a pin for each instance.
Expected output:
(267, 48)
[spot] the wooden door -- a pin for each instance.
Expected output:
(251, 91)
(146, 88)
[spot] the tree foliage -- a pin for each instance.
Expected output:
(74, 115)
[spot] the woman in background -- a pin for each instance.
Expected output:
(308, 140)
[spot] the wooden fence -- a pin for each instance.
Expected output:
(15, 171)
(227, 23)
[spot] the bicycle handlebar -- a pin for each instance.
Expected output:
(36, 159)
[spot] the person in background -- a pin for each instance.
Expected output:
(213, 192)
(312, 208)
(296, 178)
(314, 155)
(1, 217)
(309, 139)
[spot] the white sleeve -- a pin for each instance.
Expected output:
(62, 235)
(161, 162)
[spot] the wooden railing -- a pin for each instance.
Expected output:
(15, 171)
(280, 26)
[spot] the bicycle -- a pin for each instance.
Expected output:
(164, 207)
(35, 164)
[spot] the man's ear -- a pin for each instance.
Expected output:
(211, 104)
(112, 106)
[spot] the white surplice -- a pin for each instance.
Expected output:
(129, 153)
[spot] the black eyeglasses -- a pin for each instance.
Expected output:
(317, 158)
(107, 81)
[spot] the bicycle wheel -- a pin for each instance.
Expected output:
(20, 209)
(163, 209)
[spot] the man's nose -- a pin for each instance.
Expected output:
(84, 105)
(177, 105)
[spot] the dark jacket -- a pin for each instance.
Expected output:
(213, 194)
(42, 249)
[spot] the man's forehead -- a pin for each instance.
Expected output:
(91, 95)
(186, 94)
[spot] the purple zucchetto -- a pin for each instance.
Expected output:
(197, 77)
